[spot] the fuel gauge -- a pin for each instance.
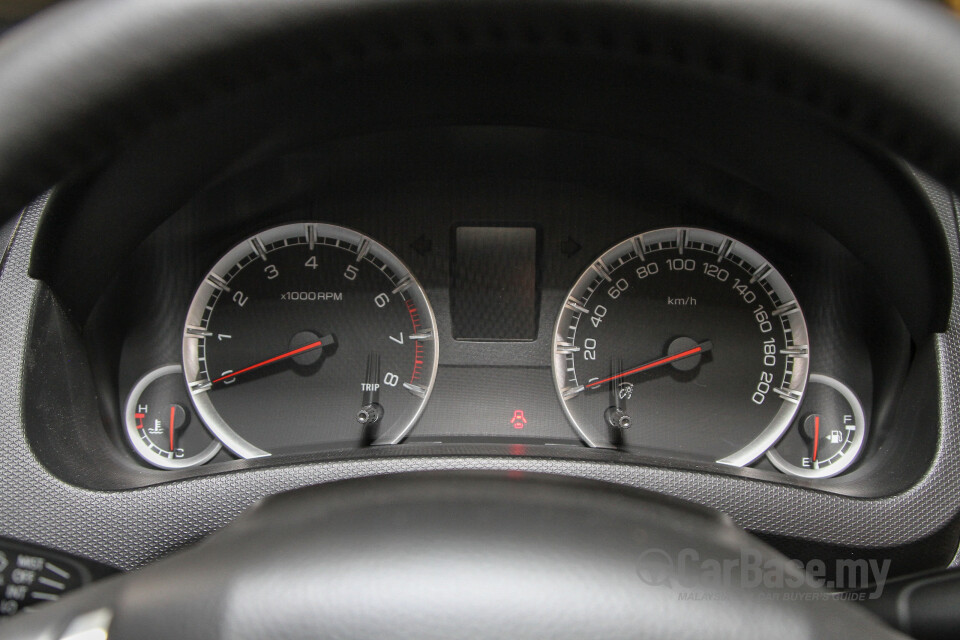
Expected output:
(827, 435)
(161, 424)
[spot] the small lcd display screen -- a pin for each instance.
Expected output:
(493, 289)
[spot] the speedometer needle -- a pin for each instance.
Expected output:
(324, 341)
(703, 347)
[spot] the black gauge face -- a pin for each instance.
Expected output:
(309, 336)
(681, 340)
(827, 435)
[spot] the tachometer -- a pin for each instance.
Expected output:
(309, 335)
(681, 340)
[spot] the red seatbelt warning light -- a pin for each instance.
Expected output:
(518, 421)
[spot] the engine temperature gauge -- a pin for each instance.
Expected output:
(161, 424)
(827, 435)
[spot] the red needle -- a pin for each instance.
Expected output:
(173, 414)
(816, 435)
(700, 348)
(282, 356)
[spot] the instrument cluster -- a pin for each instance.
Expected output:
(712, 342)
(501, 292)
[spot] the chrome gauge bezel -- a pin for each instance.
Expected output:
(245, 252)
(635, 248)
(150, 453)
(849, 454)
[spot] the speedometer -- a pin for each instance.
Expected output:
(681, 340)
(306, 336)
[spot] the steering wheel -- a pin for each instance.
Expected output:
(461, 555)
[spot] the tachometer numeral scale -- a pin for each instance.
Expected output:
(681, 340)
(286, 331)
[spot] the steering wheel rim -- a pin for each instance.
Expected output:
(79, 80)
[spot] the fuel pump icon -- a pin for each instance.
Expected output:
(518, 420)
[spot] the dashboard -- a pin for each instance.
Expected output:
(520, 311)
(511, 310)
(713, 295)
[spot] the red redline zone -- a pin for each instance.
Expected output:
(418, 348)
(139, 417)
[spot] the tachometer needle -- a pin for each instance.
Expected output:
(324, 341)
(703, 347)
